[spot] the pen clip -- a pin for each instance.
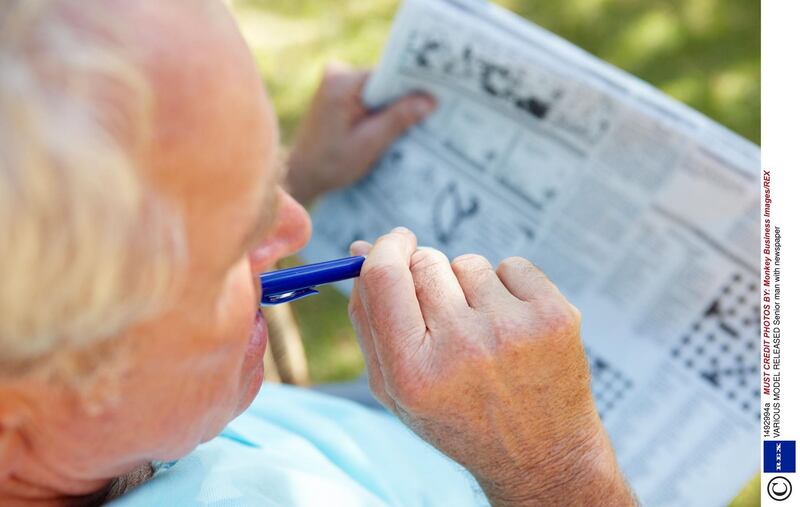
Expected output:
(276, 299)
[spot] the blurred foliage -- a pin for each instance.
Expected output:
(331, 348)
(705, 53)
(750, 495)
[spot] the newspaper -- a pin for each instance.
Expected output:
(643, 212)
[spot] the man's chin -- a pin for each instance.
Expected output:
(252, 384)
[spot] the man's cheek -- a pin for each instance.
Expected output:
(239, 284)
(238, 303)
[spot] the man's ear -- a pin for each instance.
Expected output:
(12, 444)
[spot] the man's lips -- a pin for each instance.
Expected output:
(253, 364)
(258, 337)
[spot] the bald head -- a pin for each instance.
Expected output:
(207, 88)
(112, 117)
(205, 78)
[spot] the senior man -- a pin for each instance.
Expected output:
(140, 198)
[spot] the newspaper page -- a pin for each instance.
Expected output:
(644, 212)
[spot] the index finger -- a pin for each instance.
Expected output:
(389, 297)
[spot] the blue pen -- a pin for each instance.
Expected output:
(291, 284)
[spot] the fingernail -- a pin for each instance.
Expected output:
(401, 230)
(360, 248)
(423, 107)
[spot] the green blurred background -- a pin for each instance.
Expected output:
(705, 53)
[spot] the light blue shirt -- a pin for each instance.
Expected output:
(295, 447)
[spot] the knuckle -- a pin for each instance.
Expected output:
(506, 327)
(513, 263)
(331, 82)
(426, 259)
(560, 320)
(471, 263)
(475, 336)
(512, 330)
(401, 234)
(376, 277)
(331, 72)
(519, 266)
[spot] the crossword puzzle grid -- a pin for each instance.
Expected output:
(721, 344)
(609, 385)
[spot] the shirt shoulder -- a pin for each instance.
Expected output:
(294, 447)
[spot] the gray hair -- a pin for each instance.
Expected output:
(86, 248)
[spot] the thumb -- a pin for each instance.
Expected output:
(374, 134)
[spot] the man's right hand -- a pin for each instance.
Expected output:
(488, 366)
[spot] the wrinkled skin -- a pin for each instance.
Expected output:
(485, 364)
(488, 366)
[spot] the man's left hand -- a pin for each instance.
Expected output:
(340, 139)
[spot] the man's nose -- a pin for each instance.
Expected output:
(291, 232)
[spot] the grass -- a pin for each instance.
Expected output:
(705, 53)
